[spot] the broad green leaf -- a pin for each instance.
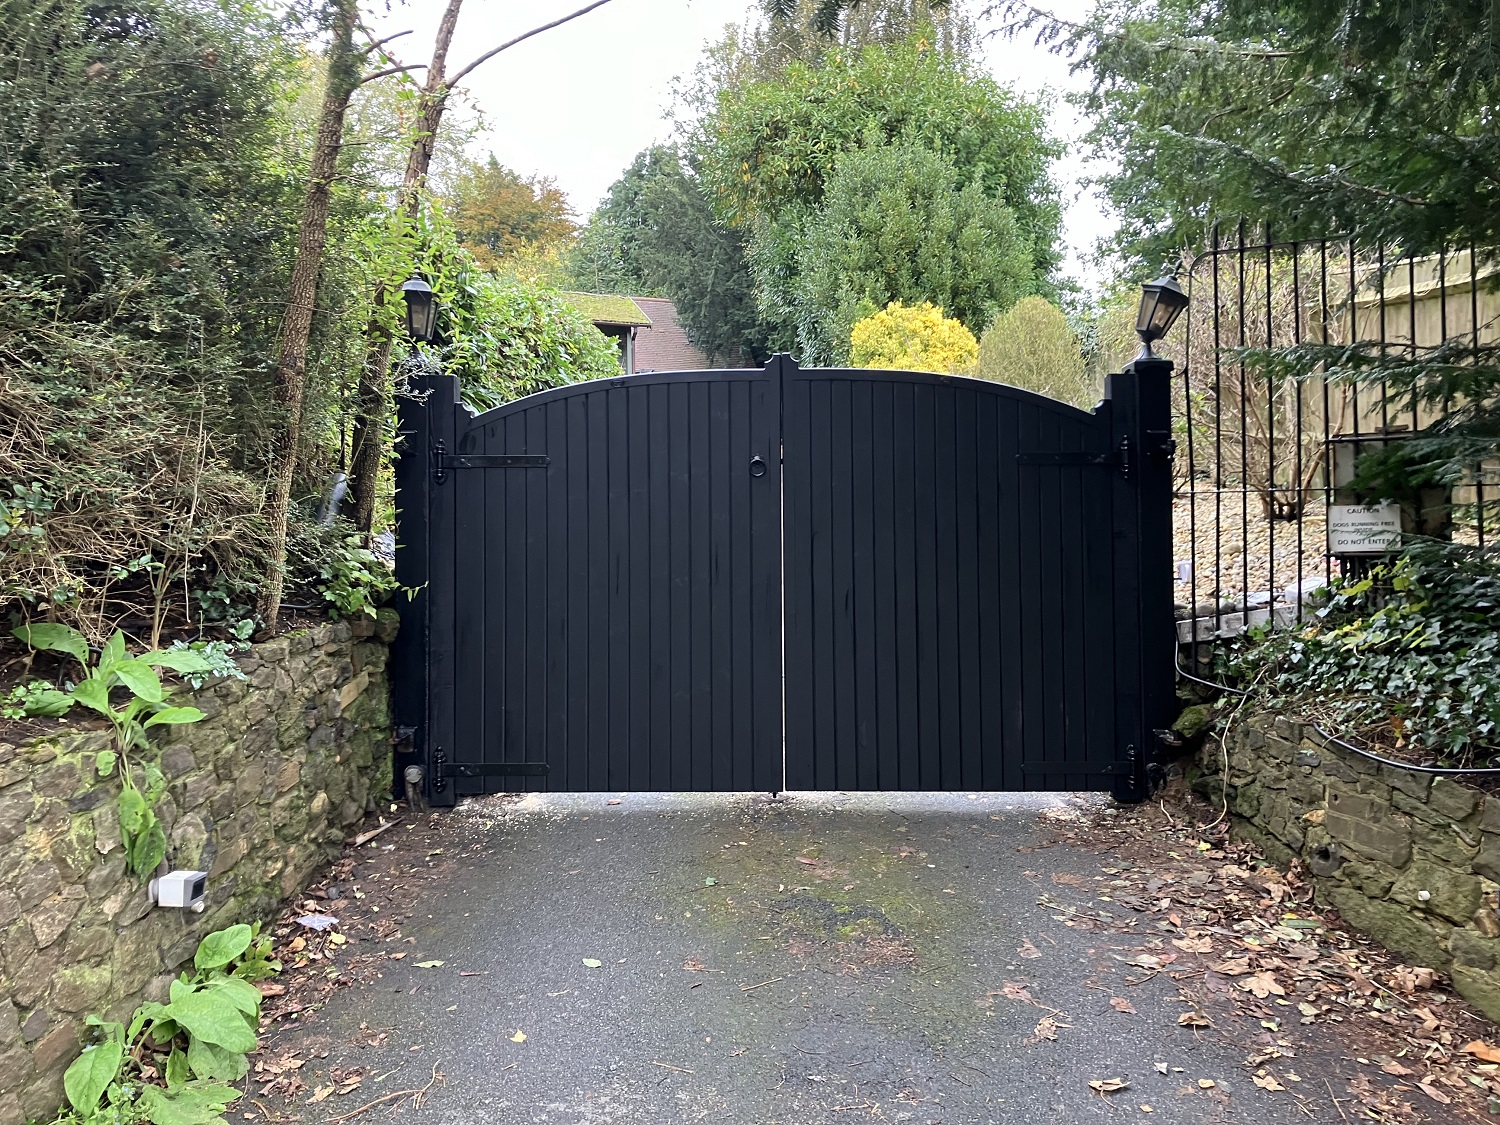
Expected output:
(141, 679)
(148, 850)
(222, 946)
(190, 1105)
(94, 695)
(91, 1073)
(210, 1061)
(243, 995)
(177, 659)
(50, 637)
(105, 762)
(156, 783)
(132, 810)
(211, 1018)
(145, 1014)
(174, 715)
(177, 1069)
(49, 704)
(112, 653)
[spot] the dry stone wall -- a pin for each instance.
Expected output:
(1411, 859)
(260, 794)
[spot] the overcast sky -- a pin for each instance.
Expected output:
(578, 102)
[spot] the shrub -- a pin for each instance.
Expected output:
(912, 338)
(1032, 346)
(1406, 658)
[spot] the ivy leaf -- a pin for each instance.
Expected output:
(91, 1074)
(222, 946)
(47, 636)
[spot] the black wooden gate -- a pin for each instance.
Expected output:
(785, 579)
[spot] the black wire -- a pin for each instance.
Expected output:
(1339, 742)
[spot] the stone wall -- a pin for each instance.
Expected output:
(260, 794)
(1411, 859)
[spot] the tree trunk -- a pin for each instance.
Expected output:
(372, 402)
(302, 295)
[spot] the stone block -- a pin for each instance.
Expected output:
(51, 918)
(387, 624)
(1413, 784)
(16, 804)
(43, 1097)
(1454, 895)
(1473, 951)
(81, 989)
(36, 880)
(1479, 987)
(1453, 800)
(1388, 842)
(1443, 844)
(1487, 862)
(11, 1112)
(1421, 938)
(1373, 879)
(10, 908)
(57, 1048)
(177, 761)
(37, 1024)
(275, 651)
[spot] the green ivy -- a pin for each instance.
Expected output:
(1406, 657)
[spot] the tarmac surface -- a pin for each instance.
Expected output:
(755, 961)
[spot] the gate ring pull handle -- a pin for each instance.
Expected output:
(757, 466)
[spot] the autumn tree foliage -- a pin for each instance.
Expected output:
(499, 212)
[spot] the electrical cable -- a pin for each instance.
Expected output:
(1440, 771)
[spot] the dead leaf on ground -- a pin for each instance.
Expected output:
(1194, 944)
(1481, 1050)
(1261, 985)
(1046, 1028)
(1027, 949)
(1194, 1019)
(1232, 968)
(1108, 1085)
(1434, 1093)
(1120, 1004)
(1266, 1082)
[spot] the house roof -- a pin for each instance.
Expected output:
(608, 308)
(665, 345)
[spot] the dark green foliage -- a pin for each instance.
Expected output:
(896, 223)
(1375, 119)
(1406, 658)
(655, 234)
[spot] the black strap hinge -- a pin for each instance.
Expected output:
(442, 461)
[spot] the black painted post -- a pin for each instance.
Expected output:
(1141, 404)
(422, 414)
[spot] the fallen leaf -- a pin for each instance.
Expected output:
(1481, 1050)
(1232, 968)
(1013, 991)
(613, 801)
(396, 956)
(1194, 945)
(1261, 985)
(1026, 949)
(1108, 1085)
(518, 1037)
(1434, 1093)
(1207, 1083)
(431, 964)
(1194, 1019)
(1393, 1067)
(321, 1093)
(1046, 1028)
(591, 963)
(1120, 1004)
(710, 882)
(337, 939)
(1267, 1082)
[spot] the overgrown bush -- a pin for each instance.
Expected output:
(1406, 658)
(915, 338)
(1031, 345)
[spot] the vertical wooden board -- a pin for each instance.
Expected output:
(578, 626)
(1074, 750)
(678, 589)
(443, 590)
(765, 687)
(840, 655)
(864, 704)
(1014, 483)
(618, 578)
(823, 593)
(597, 634)
(968, 579)
(707, 759)
(550, 488)
(1098, 610)
(744, 659)
(948, 486)
(989, 675)
(904, 503)
(659, 485)
(1050, 595)
(638, 592)
(883, 548)
(468, 649)
(540, 665)
(928, 693)
(1029, 586)
(718, 566)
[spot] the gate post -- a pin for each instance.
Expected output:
(424, 413)
(1141, 412)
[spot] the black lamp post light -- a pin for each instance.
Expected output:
(421, 310)
(1162, 302)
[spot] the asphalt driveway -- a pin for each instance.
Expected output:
(582, 960)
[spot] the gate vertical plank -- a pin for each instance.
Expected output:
(707, 756)
(638, 591)
(838, 543)
(1011, 523)
(1099, 607)
(924, 472)
(988, 684)
(1073, 758)
(967, 473)
(744, 659)
(676, 565)
(863, 703)
(468, 624)
(907, 612)
(884, 548)
(442, 411)
(765, 689)
(1051, 746)
(948, 749)
(658, 484)
(596, 631)
(718, 568)
(576, 700)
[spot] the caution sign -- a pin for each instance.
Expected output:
(1363, 529)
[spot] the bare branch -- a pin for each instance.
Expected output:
(391, 70)
(457, 78)
(376, 44)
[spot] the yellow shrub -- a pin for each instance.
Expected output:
(914, 338)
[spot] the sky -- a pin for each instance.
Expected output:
(578, 102)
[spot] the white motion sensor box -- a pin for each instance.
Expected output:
(182, 889)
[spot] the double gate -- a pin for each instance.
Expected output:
(785, 579)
